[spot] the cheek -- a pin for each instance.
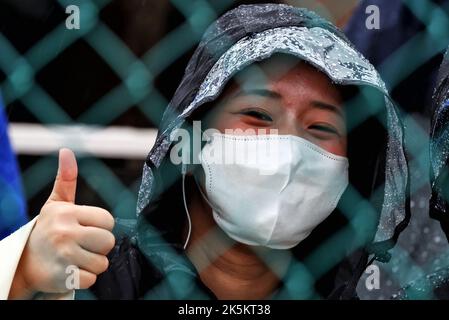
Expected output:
(337, 147)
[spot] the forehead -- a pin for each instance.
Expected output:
(289, 77)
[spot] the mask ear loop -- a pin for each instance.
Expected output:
(184, 172)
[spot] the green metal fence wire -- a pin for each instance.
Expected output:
(136, 88)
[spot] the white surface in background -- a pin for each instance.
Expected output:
(102, 142)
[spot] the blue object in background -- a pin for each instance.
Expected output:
(12, 203)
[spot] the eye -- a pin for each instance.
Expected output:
(257, 113)
(325, 129)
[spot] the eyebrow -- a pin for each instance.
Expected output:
(329, 107)
(257, 92)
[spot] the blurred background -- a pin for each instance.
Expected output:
(101, 91)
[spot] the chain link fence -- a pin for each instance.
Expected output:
(101, 90)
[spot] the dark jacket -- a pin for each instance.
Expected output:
(149, 261)
(435, 284)
(439, 156)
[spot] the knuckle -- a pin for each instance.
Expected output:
(65, 253)
(109, 219)
(110, 242)
(61, 235)
(67, 213)
(92, 281)
(106, 244)
(103, 264)
(87, 280)
(63, 215)
(106, 214)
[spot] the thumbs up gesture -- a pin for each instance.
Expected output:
(65, 234)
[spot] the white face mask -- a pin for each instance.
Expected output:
(276, 196)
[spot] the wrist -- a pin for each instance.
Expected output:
(21, 287)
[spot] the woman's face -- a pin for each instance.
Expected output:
(287, 95)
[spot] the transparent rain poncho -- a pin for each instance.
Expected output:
(253, 33)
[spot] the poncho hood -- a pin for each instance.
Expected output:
(252, 33)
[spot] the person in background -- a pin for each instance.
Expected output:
(435, 284)
(439, 207)
(407, 49)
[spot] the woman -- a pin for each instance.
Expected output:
(273, 229)
(237, 40)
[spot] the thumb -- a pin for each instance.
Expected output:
(64, 188)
